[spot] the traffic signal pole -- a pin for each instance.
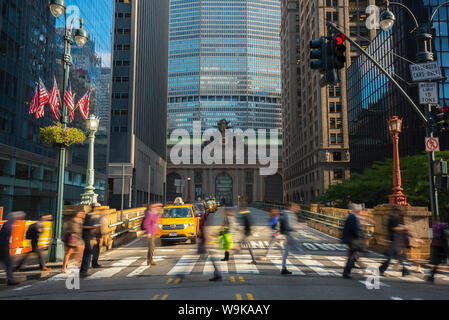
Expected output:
(429, 131)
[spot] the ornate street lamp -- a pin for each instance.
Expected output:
(89, 197)
(387, 19)
(397, 198)
(57, 9)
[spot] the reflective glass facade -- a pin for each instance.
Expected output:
(372, 99)
(224, 62)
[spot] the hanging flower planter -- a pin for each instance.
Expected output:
(58, 136)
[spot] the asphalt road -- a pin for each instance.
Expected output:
(183, 274)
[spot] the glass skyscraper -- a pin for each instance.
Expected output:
(224, 63)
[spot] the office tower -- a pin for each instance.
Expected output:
(30, 43)
(316, 146)
(224, 63)
(139, 102)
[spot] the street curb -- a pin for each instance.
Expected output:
(27, 277)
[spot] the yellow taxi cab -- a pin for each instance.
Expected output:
(211, 206)
(178, 223)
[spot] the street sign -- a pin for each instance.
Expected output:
(428, 93)
(432, 144)
(425, 71)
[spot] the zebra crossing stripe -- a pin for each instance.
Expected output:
(209, 267)
(185, 265)
(313, 264)
(242, 264)
(143, 267)
(290, 266)
(114, 269)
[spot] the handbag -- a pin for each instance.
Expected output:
(67, 238)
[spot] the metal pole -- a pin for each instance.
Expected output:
(123, 187)
(56, 250)
(431, 159)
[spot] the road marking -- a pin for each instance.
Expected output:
(312, 264)
(21, 288)
(63, 276)
(396, 298)
(290, 266)
(232, 279)
(243, 265)
(250, 296)
(143, 267)
(309, 246)
(185, 265)
(241, 279)
(169, 280)
(114, 269)
(164, 297)
(209, 267)
(155, 297)
(238, 296)
(177, 280)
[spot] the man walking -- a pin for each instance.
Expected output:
(439, 247)
(352, 237)
(246, 221)
(5, 236)
(102, 232)
(274, 218)
(88, 227)
(288, 223)
(150, 222)
(396, 231)
(34, 232)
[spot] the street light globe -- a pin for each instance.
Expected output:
(387, 20)
(92, 123)
(57, 7)
(81, 35)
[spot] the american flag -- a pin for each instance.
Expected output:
(43, 100)
(83, 105)
(35, 100)
(68, 100)
(54, 99)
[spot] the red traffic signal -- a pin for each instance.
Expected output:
(444, 109)
(340, 38)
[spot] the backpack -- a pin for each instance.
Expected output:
(283, 223)
(31, 232)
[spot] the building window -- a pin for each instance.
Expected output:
(338, 174)
(22, 171)
(332, 123)
(333, 138)
(339, 123)
(337, 156)
(339, 138)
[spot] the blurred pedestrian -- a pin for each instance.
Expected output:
(101, 235)
(229, 234)
(33, 233)
(73, 239)
(413, 242)
(246, 219)
(89, 228)
(273, 223)
(5, 237)
(352, 237)
(150, 225)
(397, 234)
(439, 250)
(289, 228)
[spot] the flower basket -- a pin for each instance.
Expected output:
(56, 135)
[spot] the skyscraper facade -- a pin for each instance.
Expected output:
(139, 102)
(316, 151)
(224, 62)
(30, 42)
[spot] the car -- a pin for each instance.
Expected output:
(201, 210)
(178, 223)
(211, 206)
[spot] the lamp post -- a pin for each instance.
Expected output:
(89, 197)
(424, 54)
(57, 9)
(188, 189)
(397, 198)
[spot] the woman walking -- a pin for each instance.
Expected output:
(72, 238)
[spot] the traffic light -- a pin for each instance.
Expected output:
(439, 118)
(440, 172)
(319, 51)
(338, 51)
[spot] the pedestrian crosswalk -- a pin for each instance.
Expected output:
(192, 264)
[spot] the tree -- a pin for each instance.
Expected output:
(373, 186)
